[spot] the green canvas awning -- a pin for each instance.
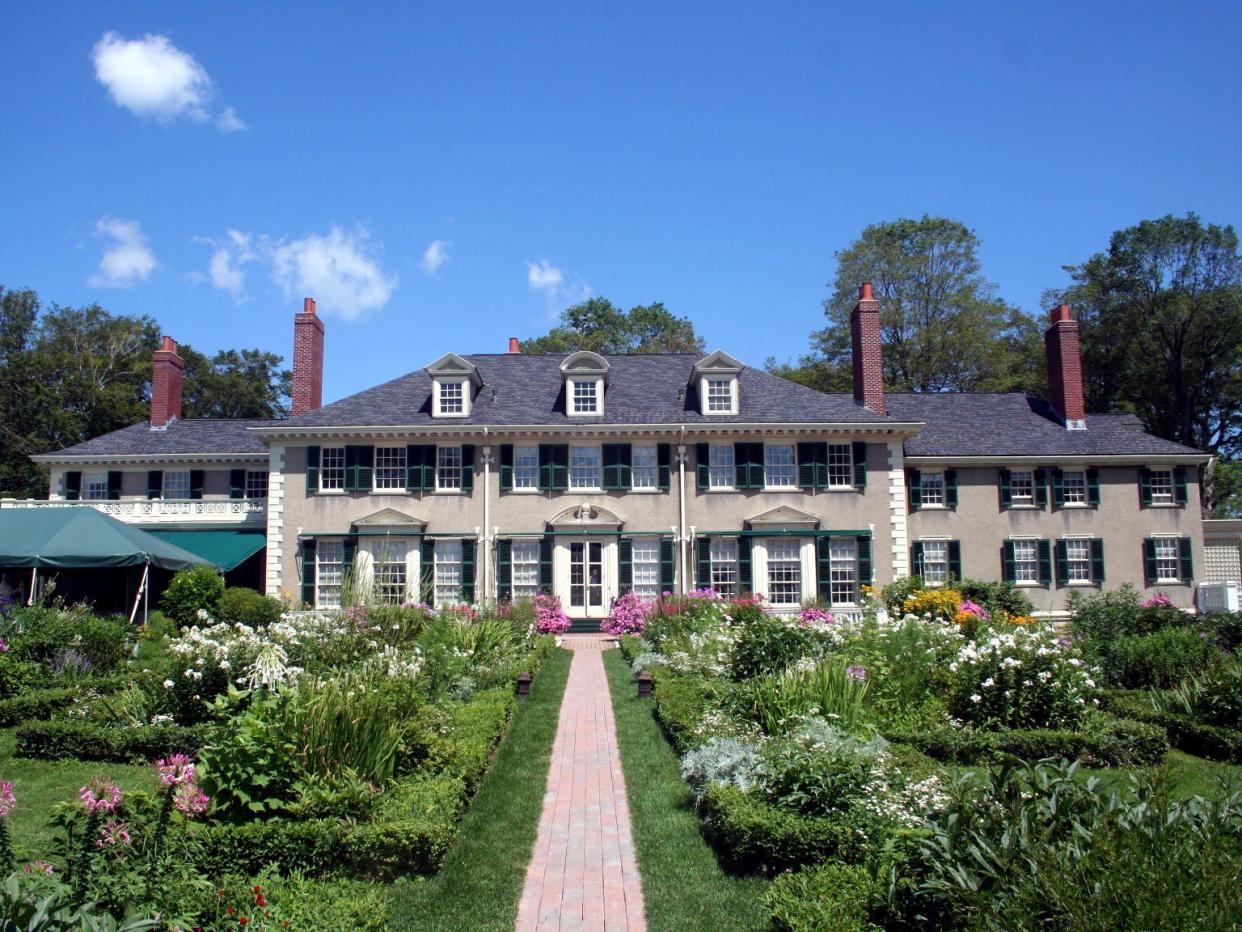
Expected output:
(78, 537)
(226, 549)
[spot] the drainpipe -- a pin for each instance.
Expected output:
(486, 563)
(681, 502)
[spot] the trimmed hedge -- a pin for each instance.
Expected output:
(60, 739)
(682, 702)
(1186, 733)
(475, 729)
(43, 703)
(828, 898)
(631, 645)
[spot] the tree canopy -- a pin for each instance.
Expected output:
(598, 325)
(235, 384)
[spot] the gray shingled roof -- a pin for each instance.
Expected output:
(641, 390)
(1017, 425)
(186, 437)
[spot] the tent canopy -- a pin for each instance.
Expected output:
(226, 549)
(75, 537)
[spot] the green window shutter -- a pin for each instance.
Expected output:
(237, 483)
(806, 466)
(1144, 486)
(1150, 572)
(73, 486)
(823, 569)
(703, 547)
(745, 568)
(155, 483)
(312, 470)
(553, 467)
(860, 465)
(741, 465)
(1186, 559)
(308, 574)
(664, 459)
(1008, 571)
(1062, 563)
(366, 466)
(413, 468)
(1045, 562)
(955, 559)
(1058, 488)
(1040, 481)
(546, 546)
(467, 467)
(864, 560)
(702, 465)
(914, 490)
(428, 470)
(617, 459)
(506, 467)
(668, 568)
(196, 483)
(821, 465)
(625, 564)
(950, 488)
(1179, 485)
(1093, 487)
(427, 572)
(1006, 490)
(351, 469)
(349, 552)
(468, 550)
(756, 466)
(504, 570)
(1097, 561)
(115, 477)
(916, 559)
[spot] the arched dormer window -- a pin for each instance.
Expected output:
(585, 375)
(716, 379)
(454, 384)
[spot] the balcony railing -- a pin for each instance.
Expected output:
(247, 511)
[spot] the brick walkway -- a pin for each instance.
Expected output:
(583, 874)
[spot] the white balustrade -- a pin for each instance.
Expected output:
(155, 510)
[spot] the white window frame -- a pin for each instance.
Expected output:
(1080, 488)
(1163, 497)
(843, 571)
(388, 474)
(721, 467)
(645, 568)
(1020, 563)
(936, 485)
(939, 559)
(524, 568)
(716, 402)
(1028, 500)
(1168, 550)
(326, 481)
(176, 485)
(448, 475)
(644, 468)
(329, 573)
(572, 399)
(596, 464)
(257, 484)
(789, 551)
(1080, 564)
(840, 465)
(95, 486)
(447, 572)
(722, 555)
(439, 400)
(770, 467)
(525, 468)
(389, 567)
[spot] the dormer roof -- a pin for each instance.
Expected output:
(450, 365)
(585, 362)
(718, 362)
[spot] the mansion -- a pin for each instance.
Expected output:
(498, 476)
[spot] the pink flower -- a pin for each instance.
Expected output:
(114, 835)
(38, 867)
(810, 617)
(1159, 600)
(189, 800)
(975, 609)
(4, 648)
(628, 615)
(100, 795)
(8, 802)
(856, 672)
(175, 770)
(550, 618)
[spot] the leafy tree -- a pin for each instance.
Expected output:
(1222, 489)
(598, 325)
(234, 384)
(943, 326)
(1161, 320)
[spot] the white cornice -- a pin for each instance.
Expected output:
(57, 459)
(517, 431)
(1112, 459)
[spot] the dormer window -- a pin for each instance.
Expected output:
(716, 377)
(454, 381)
(585, 375)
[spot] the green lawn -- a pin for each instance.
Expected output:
(683, 885)
(40, 784)
(482, 878)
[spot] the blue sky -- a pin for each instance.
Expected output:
(210, 164)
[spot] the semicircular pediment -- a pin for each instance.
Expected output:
(587, 515)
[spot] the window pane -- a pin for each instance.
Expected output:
(1025, 561)
(647, 569)
(720, 395)
(448, 468)
(1078, 560)
(779, 465)
(1168, 564)
(176, 485)
(525, 566)
(840, 464)
(935, 561)
(843, 565)
(95, 486)
(1022, 487)
(448, 572)
(332, 468)
(931, 487)
(256, 484)
(388, 567)
(785, 572)
(526, 467)
(1162, 486)
(390, 467)
(585, 396)
(724, 566)
(720, 466)
(329, 573)
(1074, 487)
(585, 468)
(452, 397)
(644, 469)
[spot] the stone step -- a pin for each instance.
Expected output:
(584, 625)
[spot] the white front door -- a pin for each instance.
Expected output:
(585, 582)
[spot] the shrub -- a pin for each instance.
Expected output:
(628, 615)
(71, 642)
(1226, 628)
(239, 604)
(36, 704)
(190, 591)
(1215, 697)
(550, 617)
(248, 769)
(725, 761)
(462, 747)
(59, 739)
(894, 595)
(829, 689)
(827, 898)
(935, 603)
(770, 643)
(1162, 659)
(682, 704)
(631, 646)
(996, 597)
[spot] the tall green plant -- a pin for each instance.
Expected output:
(830, 690)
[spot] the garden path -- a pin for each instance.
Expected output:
(584, 874)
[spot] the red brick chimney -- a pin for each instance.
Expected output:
(1065, 369)
(307, 359)
(866, 350)
(167, 377)
(514, 345)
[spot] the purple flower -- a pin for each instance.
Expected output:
(100, 795)
(114, 835)
(814, 616)
(975, 609)
(189, 800)
(628, 616)
(550, 618)
(175, 770)
(857, 672)
(38, 867)
(1159, 600)
(8, 802)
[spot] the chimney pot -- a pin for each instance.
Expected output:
(864, 292)
(1061, 312)
(1064, 360)
(168, 344)
(514, 345)
(308, 305)
(867, 352)
(307, 359)
(167, 378)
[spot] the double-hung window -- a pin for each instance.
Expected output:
(935, 562)
(585, 396)
(448, 572)
(843, 567)
(719, 396)
(1074, 487)
(331, 468)
(1077, 560)
(256, 483)
(329, 573)
(452, 395)
(448, 469)
(646, 557)
(177, 484)
(644, 472)
(723, 557)
(525, 567)
(1022, 487)
(1168, 560)
(1162, 487)
(840, 465)
(1026, 562)
(526, 467)
(784, 571)
(720, 473)
(780, 466)
(389, 569)
(586, 467)
(95, 486)
(390, 468)
(931, 490)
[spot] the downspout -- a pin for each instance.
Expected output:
(486, 562)
(681, 518)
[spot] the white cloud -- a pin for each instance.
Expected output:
(151, 77)
(543, 275)
(340, 270)
(225, 270)
(558, 288)
(435, 256)
(128, 260)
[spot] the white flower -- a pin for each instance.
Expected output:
(976, 698)
(169, 684)
(224, 665)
